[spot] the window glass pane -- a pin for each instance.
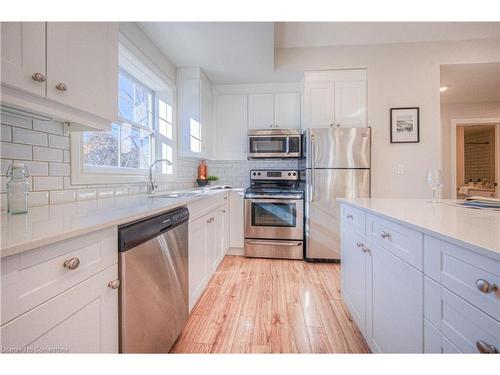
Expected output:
(162, 109)
(100, 149)
(165, 128)
(135, 147)
(166, 153)
(169, 114)
(125, 109)
(143, 107)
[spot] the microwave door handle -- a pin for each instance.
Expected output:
(288, 145)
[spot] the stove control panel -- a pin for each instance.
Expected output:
(290, 175)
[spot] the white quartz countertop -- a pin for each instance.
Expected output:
(48, 224)
(476, 229)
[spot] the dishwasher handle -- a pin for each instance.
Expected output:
(133, 234)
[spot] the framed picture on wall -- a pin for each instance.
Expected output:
(405, 126)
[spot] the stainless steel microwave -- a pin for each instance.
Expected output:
(274, 143)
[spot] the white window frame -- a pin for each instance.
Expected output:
(137, 67)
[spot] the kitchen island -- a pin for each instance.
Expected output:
(422, 277)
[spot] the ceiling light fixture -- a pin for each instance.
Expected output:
(443, 88)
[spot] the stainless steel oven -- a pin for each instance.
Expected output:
(274, 143)
(274, 215)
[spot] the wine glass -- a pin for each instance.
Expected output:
(434, 180)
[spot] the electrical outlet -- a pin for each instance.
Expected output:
(400, 170)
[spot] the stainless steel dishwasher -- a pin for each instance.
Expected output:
(153, 261)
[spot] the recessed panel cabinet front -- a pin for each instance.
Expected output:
(82, 66)
(198, 259)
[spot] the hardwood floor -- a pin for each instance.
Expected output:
(271, 306)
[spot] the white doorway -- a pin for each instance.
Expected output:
(475, 157)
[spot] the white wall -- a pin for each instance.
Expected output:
(399, 75)
(455, 111)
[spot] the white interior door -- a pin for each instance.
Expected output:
(23, 55)
(260, 111)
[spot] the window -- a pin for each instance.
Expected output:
(144, 133)
(194, 135)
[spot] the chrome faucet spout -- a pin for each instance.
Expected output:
(152, 186)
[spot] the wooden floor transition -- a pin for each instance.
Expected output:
(271, 306)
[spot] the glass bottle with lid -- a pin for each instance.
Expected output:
(17, 189)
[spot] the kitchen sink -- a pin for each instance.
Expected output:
(177, 195)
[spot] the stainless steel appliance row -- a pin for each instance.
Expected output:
(153, 264)
(274, 215)
(335, 164)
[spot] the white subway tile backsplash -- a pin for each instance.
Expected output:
(121, 191)
(6, 134)
(59, 169)
(105, 193)
(58, 141)
(66, 156)
(62, 196)
(16, 151)
(4, 166)
(3, 201)
(38, 198)
(36, 168)
(47, 183)
(86, 194)
(52, 127)
(47, 154)
(29, 137)
(16, 121)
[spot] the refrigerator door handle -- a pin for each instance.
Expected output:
(313, 173)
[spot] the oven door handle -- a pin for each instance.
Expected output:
(273, 243)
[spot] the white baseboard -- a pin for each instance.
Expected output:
(236, 251)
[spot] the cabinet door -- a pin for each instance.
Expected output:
(319, 104)
(214, 245)
(350, 103)
(23, 55)
(260, 111)
(236, 219)
(83, 319)
(287, 110)
(354, 275)
(198, 263)
(206, 119)
(224, 229)
(395, 315)
(84, 57)
(231, 122)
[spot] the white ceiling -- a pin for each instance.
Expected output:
(471, 83)
(319, 34)
(228, 52)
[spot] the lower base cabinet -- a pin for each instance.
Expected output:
(83, 319)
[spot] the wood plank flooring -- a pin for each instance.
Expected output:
(271, 306)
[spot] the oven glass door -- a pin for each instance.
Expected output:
(268, 146)
(274, 218)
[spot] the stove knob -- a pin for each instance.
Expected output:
(258, 174)
(254, 173)
(295, 174)
(289, 174)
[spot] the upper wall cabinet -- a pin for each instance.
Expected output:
(64, 70)
(194, 101)
(335, 98)
(274, 110)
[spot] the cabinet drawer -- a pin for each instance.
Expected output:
(353, 218)
(205, 205)
(460, 269)
(435, 342)
(83, 319)
(460, 322)
(33, 277)
(403, 242)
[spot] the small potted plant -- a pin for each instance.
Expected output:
(212, 179)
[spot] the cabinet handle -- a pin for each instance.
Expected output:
(223, 211)
(61, 86)
(485, 348)
(349, 216)
(365, 249)
(114, 284)
(486, 287)
(72, 263)
(385, 235)
(39, 77)
(359, 244)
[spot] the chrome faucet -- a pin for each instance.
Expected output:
(152, 185)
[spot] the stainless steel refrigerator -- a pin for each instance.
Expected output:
(336, 164)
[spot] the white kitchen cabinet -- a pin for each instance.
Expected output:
(225, 224)
(77, 64)
(287, 110)
(231, 117)
(395, 308)
(335, 98)
(354, 288)
(83, 319)
(198, 259)
(23, 56)
(274, 110)
(261, 111)
(236, 218)
(194, 101)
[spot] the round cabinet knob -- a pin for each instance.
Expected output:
(114, 284)
(72, 263)
(359, 244)
(486, 348)
(349, 216)
(39, 77)
(385, 235)
(61, 86)
(365, 249)
(485, 287)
